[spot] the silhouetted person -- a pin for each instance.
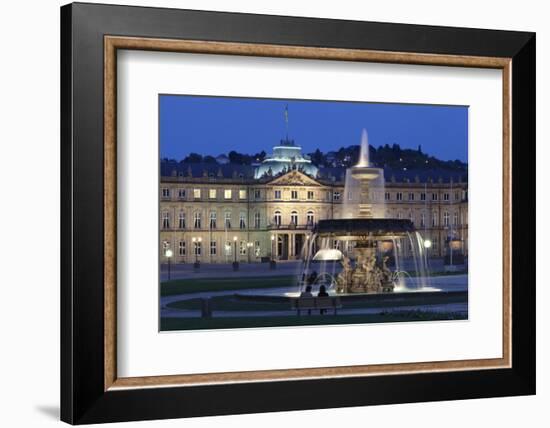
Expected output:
(322, 293)
(306, 292)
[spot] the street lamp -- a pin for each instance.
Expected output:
(272, 263)
(427, 243)
(235, 263)
(168, 253)
(249, 248)
(196, 243)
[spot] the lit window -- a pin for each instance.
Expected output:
(181, 222)
(213, 248)
(294, 194)
(182, 248)
(197, 193)
(277, 218)
(242, 221)
(165, 192)
(197, 220)
(212, 193)
(213, 220)
(227, 193)
(336, 196)
(422, 196)
(277, 194)
(310, 194)
(228, 248)
(166, 220)
(257, 249)
(181, 193)
(257, 220)
(242, 194)
(399, 196)
(227, 220)
(242, 248)
(445, 218)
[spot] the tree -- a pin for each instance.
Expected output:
(193, 158)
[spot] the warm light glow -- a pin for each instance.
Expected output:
(199, 238)
(235, 238)
(273, 237)
(168, 253)
(427, 243)
(193, 239)
(456, 244)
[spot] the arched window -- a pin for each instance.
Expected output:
(277, 218)
(310, 217)
(294, 218)
(181, 222)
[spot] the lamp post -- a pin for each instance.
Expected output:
(235, 262)
(196, 243)
(272, 263)
(249, 248)
(168, 253)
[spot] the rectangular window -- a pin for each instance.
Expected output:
(212, 193)
(387, 196)
(257, 249)
(181, 222)
(434, 219)
(336, 196)
(213, 220)
(227, 194)
(227, 220)
(257, 220)
(445, 218)
(455, 219)
(277, 194)
(242, 194)
(213, 248)
(228, 248)
(457, 196)
(422, 220)
(445, 196)
(257, 194)
(182, 248)
(242, 248)
(242, 221)
(294, 194)
(423, 196)
(181, 193)
(165, 192)
(197, 193)
(166, 220)
(197, 220)
(198, 248)
(411, 196)
(434, 196)
(399, 196)
(310, 194)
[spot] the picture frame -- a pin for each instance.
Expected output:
(91, 391)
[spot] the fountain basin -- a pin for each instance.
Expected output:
(353, 228)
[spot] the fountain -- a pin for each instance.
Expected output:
(363, 251)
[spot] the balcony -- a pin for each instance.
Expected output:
(290, 226)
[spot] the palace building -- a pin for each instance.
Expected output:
(221, 212)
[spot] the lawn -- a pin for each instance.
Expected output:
(183, 286)
(171, 324)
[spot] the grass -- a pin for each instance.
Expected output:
(171, 324)
(234, 303)
(183, 286)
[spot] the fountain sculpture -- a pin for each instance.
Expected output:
(363, 242)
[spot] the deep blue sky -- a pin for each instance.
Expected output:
(214, 125)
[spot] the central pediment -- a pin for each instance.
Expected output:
(294, 178)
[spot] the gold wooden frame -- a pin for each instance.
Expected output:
(113, 43)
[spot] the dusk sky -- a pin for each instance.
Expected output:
(215, 125)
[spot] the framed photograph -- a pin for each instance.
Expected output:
(266, 213)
